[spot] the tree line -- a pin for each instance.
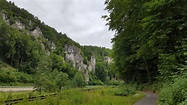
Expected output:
(150, 41)
(150, 45)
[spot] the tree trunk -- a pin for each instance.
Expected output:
(148, 72)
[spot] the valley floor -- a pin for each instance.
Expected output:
(104, 95)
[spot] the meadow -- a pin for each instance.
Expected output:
(79, 96)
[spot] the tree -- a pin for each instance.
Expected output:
(78, 80)
(42, 81)
(62, 80)
(164, 25)
(150, 38)
(100, 71)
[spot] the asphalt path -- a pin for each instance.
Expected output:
(14, 89)
(149, 99)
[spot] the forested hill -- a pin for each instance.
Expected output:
(31, 48)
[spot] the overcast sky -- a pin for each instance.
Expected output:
(79, 19)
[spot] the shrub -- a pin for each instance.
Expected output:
(174, 94)
(78, 80)
(114, 82)
(96, 82)
(7, 76)
(24, 78)
(126, 90)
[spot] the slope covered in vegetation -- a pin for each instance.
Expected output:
(40, 55)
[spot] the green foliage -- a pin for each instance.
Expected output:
(78, 80)
(49, 80)
(24, 78)
(58, 62)
(126, 90)
(98, 52)
(9, 75)
(150, 38)
(27, 53)
(114, 82)
(175, 93)
(97, 96)
(33, 56)
(100, 71)
(19, 49)
(112, 74)
(103, 69)
(95, 82)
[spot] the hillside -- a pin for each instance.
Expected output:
(37, 51)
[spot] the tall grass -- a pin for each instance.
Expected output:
(17, 95)
(101, 96)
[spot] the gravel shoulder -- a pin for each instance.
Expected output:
(149, 99)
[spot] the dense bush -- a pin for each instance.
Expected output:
(96, 82)
(114, 82)
(24, 78)
(7, 76)
(126, 90)
(78, 80)
(174, 94)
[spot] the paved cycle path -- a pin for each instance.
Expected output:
(149, 99)
(6, 89)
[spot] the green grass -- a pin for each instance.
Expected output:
(15, 95)
(99, 96)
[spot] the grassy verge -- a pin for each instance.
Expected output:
(16, 95)
(99, 96)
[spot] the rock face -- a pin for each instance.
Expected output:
(18, 25)
(73, 55)
(92, 63)
(4, 17)
(36, 32)
(53, 46)
(108, 59)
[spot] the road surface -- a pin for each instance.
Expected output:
(150, 99)
(6, 89)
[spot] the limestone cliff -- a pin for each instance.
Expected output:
(74, 56)
(92, 63)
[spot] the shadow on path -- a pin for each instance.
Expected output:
(150, 99)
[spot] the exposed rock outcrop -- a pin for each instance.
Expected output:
(108, 59)
(18, 25)
(53, 46)
(36, 32)
(92, 63)
(4, 17)
(73, 55)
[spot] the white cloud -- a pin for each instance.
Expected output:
(79, 19)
